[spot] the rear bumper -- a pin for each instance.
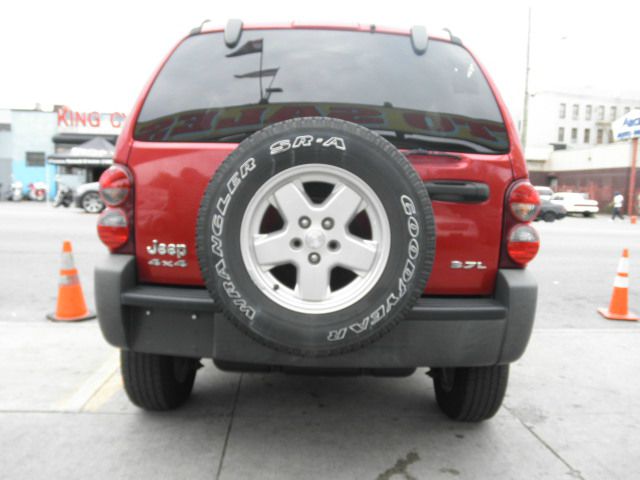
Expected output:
(440, 331)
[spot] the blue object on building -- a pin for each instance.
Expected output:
(5, 153)
(36, 146)
(32, 134)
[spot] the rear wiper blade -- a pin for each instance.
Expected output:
(429, 153)
(233, 137)
(419, 141)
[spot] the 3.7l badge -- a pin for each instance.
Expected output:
(176, 250)
(467, 265)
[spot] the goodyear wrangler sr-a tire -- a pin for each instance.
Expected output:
(316, 236)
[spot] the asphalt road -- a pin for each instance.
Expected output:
(570, 412)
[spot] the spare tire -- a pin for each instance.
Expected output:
(315, 236)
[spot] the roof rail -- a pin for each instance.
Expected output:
(419, 39)
(198, 29)
(452, 37)
(233, 32)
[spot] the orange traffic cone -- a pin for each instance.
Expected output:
(619, 306)
(71, 306)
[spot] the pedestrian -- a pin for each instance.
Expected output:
(618, 200)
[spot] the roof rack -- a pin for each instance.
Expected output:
(198, 29)
(452, 37)
(232, 32)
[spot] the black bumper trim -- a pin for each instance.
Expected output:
(198, 299)
(175, 298)
(456, 308)
(439, 331)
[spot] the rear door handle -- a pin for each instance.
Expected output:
(459, 191)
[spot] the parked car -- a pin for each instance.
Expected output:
(270, 208)
(576, 203)
(545, 193)
(550, 212)
(87, 197)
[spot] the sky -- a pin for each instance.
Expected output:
(97, 56)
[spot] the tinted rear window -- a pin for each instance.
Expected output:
(207, 92)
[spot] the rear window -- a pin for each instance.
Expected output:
(207, 92)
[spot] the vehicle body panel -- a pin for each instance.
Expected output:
(547, 207)
(86, 187)
(170, 179)
(545, 192)
(575, 202)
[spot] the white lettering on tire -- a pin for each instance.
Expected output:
(217, 227)
(385, 308)
(285, 144)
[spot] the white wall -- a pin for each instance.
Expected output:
(615, 155)
(544, 119)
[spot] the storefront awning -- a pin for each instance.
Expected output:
(97, 152)
(82, 162)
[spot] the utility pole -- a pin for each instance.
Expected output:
(525, 111)
(632, 177)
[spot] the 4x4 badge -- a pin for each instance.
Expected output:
(467, 265)
(177, 250)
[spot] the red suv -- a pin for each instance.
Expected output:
(335, 200)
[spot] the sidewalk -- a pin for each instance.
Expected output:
(570, 412)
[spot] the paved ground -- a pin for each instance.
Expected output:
(571, 409)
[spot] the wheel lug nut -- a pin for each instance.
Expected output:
(314, 258)
(334, 245)
(304, 222)
(296, 243)
(327, 223)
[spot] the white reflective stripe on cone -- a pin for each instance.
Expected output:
(68, 280)
(67, 261)
(623, 266)
(621, 282)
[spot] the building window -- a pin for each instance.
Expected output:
(561, 134)
(563, 110)
(627, 110)
(574, 135)
(610, 136)
(599, 136)
(35, 159)
(575, 112)
(587, 135)
(601, 112)
(587, 112)
(613, 113)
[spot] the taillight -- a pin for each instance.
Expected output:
(115, 224)
(113, 228)
(521, 241)
(523, 244)
(115, 185)
(524, 202)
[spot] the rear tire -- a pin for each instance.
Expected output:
(334, 264)
(91, 202)
(470, 394)
(157, 382)
(549, 217)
